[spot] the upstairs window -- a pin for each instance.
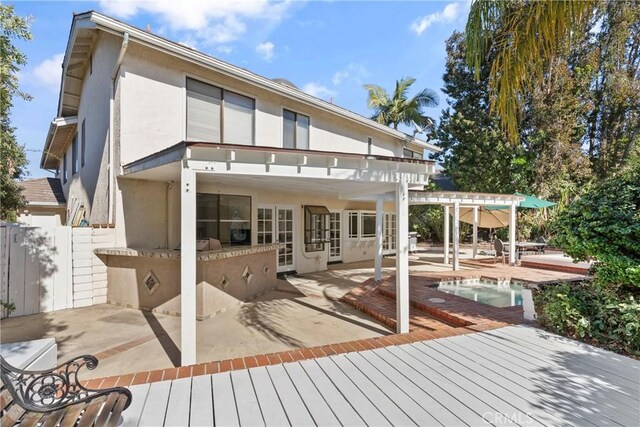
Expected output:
(218, 115)
(410, 154)
(295, 130)
(75, 163)
(83, 144)
(369, 145)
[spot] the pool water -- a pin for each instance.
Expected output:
(498, 293)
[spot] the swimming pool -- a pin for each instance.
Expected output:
(498, 293)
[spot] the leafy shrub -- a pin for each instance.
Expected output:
(593, 313)
(604, 225)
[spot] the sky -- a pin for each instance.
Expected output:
(329, 49)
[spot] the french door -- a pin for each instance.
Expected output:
(389, 234)
(335, 236)
(276, 224)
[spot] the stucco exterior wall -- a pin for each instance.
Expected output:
(153, 110)
(151, 217)
(90, 184)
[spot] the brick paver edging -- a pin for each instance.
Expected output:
(271, 358)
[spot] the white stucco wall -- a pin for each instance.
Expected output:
(90, 183)
(153, 108)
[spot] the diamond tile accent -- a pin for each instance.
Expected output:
(247, 275)
(266, 270)
(224, 282)
(151, 282)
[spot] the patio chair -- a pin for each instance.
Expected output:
(498, 245)
(56, 397)
(541, 239)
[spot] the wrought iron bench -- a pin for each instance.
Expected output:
(56, 397)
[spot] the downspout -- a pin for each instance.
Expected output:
(116, 69)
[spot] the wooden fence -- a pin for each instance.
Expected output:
(36, 268)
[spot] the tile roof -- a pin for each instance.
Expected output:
(43, 190)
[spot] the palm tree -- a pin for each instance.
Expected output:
(392, 111)
(525, 34)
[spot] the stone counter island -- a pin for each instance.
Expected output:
(149, 279)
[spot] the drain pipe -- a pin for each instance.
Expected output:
(116, 69)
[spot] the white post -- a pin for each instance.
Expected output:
(456, 236)
(512, 235)
(188, 266)
(446, 235)
(402, 257)
(379, 237)
(475, 231)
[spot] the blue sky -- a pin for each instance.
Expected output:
(327, 48)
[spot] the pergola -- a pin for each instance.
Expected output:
(343, 175)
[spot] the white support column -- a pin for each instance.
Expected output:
(402, 257)
(446, 235)
(379, 237)
(188, 266)
(475, 231)
(512, 235)
(456, 236)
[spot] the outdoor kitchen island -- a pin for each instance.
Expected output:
(149, 279)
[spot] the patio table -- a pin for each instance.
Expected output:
(523, 246)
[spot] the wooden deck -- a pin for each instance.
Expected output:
(517, 375)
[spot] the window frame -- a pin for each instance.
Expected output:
(218, 220)
(295, 129)
(83, 145)
(75, 160)
(65, 173)
(369, 145)
(316, 223)
(223, 89)
(359, 215)
(413, 154)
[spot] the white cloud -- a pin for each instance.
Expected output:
(48, 72)
(265, 50)
(450, 12)
(354, 71)
(210, 21)
(318, 90)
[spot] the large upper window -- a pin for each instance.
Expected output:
(218, 115)
(410, 154)
(295, 130)
(65, 173)
(224, 217)
(83, 144)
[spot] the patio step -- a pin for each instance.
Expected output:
(383, 309)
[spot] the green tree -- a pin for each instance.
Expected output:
(525, 35)
(399, 108)
(476, 155)
(13, 157)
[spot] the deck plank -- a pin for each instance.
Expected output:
(444, 415)
(201, 401)
(294, 406)
(339, 405)
(616, 391)
(225, 410)
(365, 408)
(385, 404)
(458, 397)
(521, 377)
(179, 404)
(155, 408)
(272, 411)
(316, 403)
(559, 387)
(131, 417)
(410, 407)
(249, 411)
(608, 365)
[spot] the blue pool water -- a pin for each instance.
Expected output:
(503, 293)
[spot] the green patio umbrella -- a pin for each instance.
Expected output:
(530, 202)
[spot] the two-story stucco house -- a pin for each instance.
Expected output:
(216, 178)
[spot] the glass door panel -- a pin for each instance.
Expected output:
(335, 236)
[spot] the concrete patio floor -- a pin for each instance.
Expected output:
(304, 311)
